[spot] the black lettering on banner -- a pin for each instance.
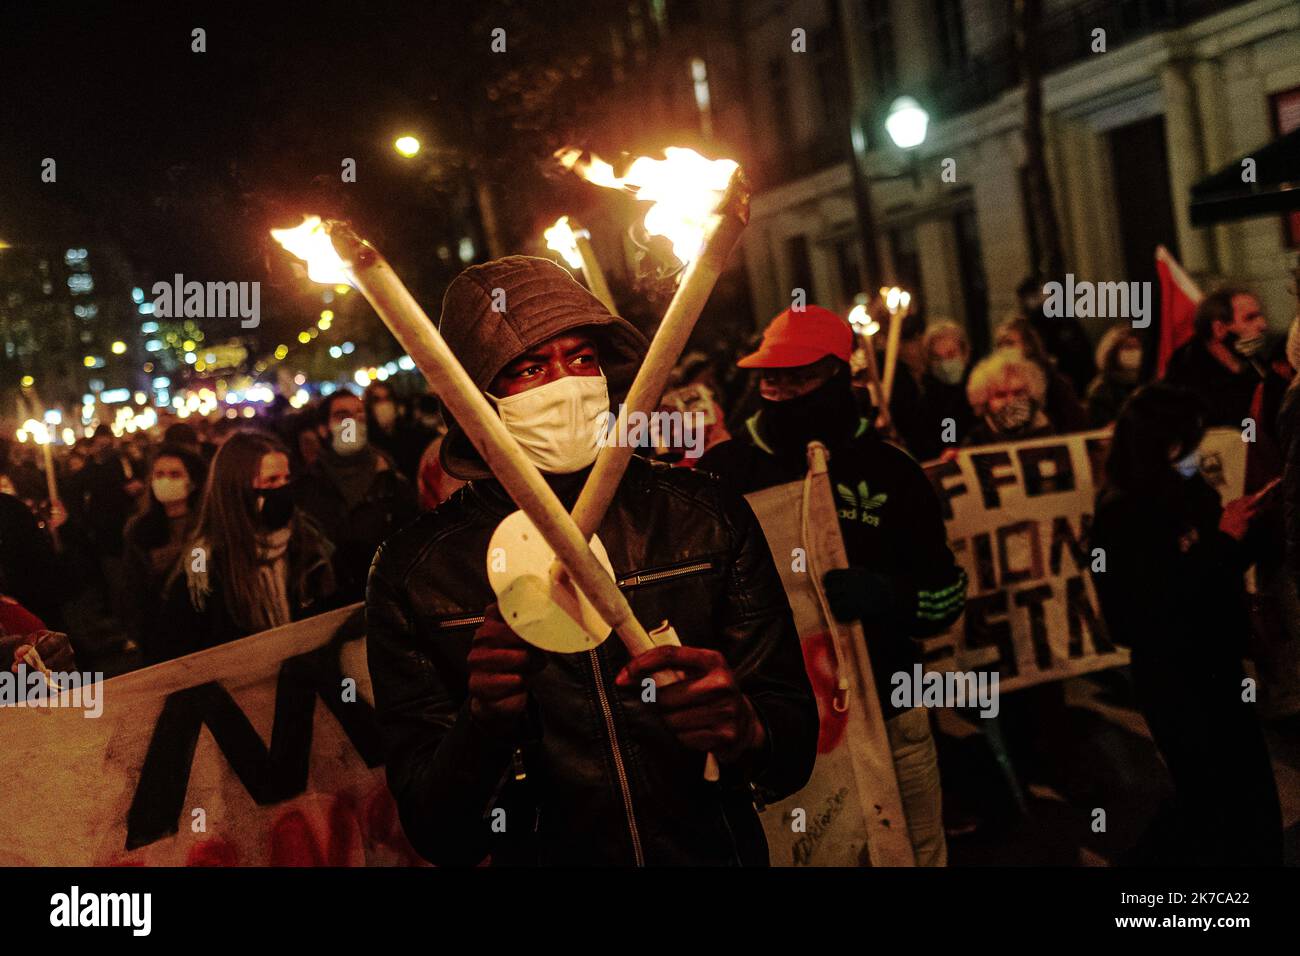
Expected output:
(1079, 611)
(1040, 481)
(982, 552)
(269, 776)
(1097, 449)
(1009, 575)
(987, 625)
(1063, 536)
(1033, 599)
(984, 463)
(937, 472)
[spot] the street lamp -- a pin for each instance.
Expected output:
(406, 146)
(906, 123)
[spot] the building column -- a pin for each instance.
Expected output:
(1207, 80)
(1186, 164)
(936, 244)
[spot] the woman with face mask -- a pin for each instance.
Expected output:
(944, 409)
(1061, 402)
(1119, 361)
(1007, 393)
(154, 536)
(1172, 591)
(254, 561)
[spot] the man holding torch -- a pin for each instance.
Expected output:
(495, 748)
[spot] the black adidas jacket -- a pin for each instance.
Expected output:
(891, 522)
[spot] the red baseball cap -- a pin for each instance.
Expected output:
(802, 337)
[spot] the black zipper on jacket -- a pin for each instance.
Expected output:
(620, 769)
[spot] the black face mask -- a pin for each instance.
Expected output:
(273, 507)
(828, 414)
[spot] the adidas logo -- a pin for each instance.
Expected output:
(857, 505)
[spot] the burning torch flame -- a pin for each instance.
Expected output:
(35, 430)
(896, 298)
(685, 189)
(311, 243)
(862, 321)
(562, 239)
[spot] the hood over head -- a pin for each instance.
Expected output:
(539, 300)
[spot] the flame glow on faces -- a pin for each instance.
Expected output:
(684, 187)
(311, 243)
(562, 239)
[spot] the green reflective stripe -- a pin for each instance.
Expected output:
(942, 602)
(923, 597)
(752, 424)
(960, 584)
(947, 599)
(862, 427)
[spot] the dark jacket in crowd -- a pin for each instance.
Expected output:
(404, 445)
(29, 570)
(153, 547)
(107, 504)
(891, 523)
(187, 625)
(358, 500)
(1067, 342)
(604, 776)
(1062, 406)
(919, 413)
(1228, 395)
(1106, 396)
(1172, 591)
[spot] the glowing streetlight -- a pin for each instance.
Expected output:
(406, 146)
(907, 123)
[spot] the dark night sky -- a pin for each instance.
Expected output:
(184, 159)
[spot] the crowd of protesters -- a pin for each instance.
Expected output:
(202, 532)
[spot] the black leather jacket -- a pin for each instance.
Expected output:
(597, 778)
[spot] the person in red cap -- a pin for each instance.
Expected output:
(903, 582)
(495, 748)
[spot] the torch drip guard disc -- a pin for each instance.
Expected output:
(541, 612)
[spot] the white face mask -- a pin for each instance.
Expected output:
(170, 490)
(557, 424)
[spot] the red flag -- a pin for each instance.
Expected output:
(1179, 297)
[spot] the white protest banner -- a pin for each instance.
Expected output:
(264, 751)
(850, 813)
(1018, 516)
